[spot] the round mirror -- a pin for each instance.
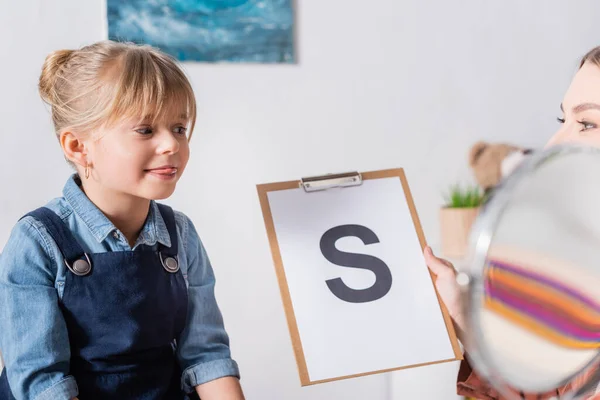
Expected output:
(532, 287)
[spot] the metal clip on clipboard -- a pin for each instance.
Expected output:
(329, 181)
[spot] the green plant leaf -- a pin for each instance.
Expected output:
(458, 196)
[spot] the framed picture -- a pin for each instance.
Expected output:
(236, 31)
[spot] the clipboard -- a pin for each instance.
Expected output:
(345, 181)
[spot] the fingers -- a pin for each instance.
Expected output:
(437, 265)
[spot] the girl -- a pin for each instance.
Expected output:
(580, 124)
(105, 293)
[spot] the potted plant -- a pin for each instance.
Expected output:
(462, 205)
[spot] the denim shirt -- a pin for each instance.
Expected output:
(34, 340)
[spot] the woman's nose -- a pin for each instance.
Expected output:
(561, 136)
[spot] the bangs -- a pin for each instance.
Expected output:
(592, 56)
(151, 87)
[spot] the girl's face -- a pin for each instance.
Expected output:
(142, 159)
(580, 108)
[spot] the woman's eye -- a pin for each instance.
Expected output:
(560, 120)
(587, 125)
(144, 131)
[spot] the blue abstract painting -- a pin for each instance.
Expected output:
(254, 31)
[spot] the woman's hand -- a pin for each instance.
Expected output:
(446, 286)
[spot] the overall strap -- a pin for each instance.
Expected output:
(169, 217)
(60, 232)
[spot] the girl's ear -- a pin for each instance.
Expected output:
(74, 148)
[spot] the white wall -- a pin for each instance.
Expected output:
(379, 84)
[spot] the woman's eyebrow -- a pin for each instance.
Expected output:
(582, 107)
(585, 106)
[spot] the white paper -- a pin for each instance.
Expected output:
(341, 338)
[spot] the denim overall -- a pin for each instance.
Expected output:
(124, 312)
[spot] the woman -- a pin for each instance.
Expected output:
(580, 123)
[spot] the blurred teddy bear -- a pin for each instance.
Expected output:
(491, 162)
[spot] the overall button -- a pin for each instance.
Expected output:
(80, 267)
(170, 264)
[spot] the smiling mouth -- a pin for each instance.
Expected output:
(163, 171)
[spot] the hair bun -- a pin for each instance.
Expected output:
(50, 73)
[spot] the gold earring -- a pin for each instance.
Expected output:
(87, 171)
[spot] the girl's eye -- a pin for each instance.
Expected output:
(144, 131)
(560, 120)
(181, 130)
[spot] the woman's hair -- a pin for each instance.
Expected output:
(592, 56)
(99, 84)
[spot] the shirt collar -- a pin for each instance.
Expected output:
(155, 228)
(100, 226)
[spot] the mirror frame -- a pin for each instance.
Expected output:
(471, 283)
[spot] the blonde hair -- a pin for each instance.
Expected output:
(99, 84)
(592, 56)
